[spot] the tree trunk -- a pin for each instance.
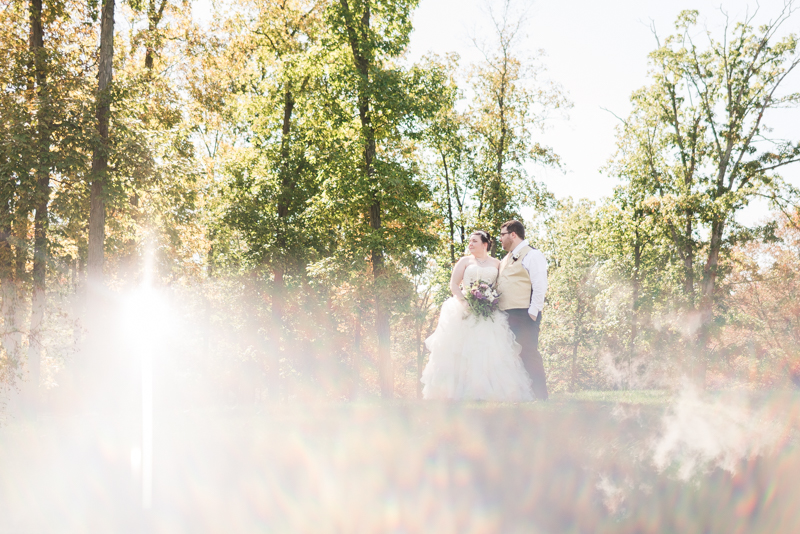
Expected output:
(688, 262)
(8, 293)
(449, 209)
(277, 294)
(97, 213)
(362, 64)
(10, 340)
(154, 15)
(41, 198)
(498, 202)
(710, 269)
(420, 354)
(707, 296)
(574, 373)
(637, 266)
(356, 354)
(460, 206)
(20, 227)
(685, 245)
(385, 375)
(284, 199)
(501, 148)
(576, 333)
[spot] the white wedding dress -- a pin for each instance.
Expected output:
(472, 357)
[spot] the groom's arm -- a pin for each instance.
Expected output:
(536, 265)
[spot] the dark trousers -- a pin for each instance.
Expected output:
(526, 331)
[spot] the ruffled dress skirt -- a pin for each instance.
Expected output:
(474, 358)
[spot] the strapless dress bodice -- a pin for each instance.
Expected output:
(475, 272)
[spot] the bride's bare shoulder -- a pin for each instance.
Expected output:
(461, 264)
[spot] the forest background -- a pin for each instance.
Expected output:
(292, 192)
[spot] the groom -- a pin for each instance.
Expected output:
(522, 284)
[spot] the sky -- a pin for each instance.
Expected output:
(597, 51)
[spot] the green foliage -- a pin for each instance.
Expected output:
(568, 332)
(314, 189)
(510, 105)
(692, 156)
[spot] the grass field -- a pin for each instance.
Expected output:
(648, 396)
(622, 462)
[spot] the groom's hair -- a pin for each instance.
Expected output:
(515, 227)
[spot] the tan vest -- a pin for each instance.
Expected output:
(514, 282)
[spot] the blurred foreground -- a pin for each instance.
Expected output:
(686, 463)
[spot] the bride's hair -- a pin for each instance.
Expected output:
(485, 238)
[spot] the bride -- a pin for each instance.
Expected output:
(474, 357)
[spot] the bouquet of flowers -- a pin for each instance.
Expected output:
(483, 299)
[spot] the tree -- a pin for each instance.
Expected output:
(18, 155)
(762, 330)
(510, 103)
(155, 12)
(446, 135)
(637, 282)
(274, 176)
(270, 79)
(42, 154)
(41, 198)
(570, 243)
(700, 126)
(391, 107)
(99, 174)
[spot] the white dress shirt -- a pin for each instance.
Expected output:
(536, 265)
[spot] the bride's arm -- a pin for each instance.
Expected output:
(457, 277)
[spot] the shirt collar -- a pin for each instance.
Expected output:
(523, 243)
